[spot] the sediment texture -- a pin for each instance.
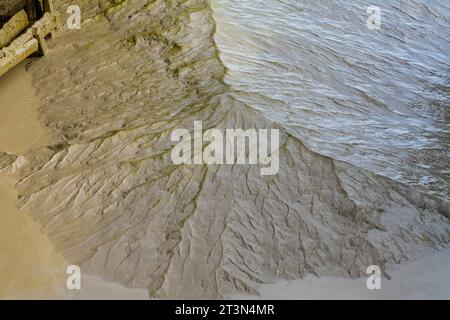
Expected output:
(6, 159)
(109, 196)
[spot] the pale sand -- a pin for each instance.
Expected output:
(93, 288)
(426, 278)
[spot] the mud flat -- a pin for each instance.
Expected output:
(30, 268)
(108, 195)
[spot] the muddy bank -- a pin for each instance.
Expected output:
(111, 200)
(30, 267)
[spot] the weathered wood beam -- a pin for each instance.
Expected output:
(34, 9)
(21, 48)
(33, 40)
(48, 6)
(13, 28)
(43, 28)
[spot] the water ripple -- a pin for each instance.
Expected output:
(378, 99)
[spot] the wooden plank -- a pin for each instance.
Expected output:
(35, 9)
(33, 40)
(44, 27)
(48, 6)
(18, 50)
(13, 28)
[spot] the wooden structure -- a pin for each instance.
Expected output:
(13, 28)
(26, 32)
(37, 8)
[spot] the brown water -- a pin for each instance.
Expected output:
(29, 266)
(19, 128)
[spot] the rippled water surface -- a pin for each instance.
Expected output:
(378, 99)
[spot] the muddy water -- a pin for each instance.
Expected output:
(378, 99)
(29, 266)
(19, 128)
